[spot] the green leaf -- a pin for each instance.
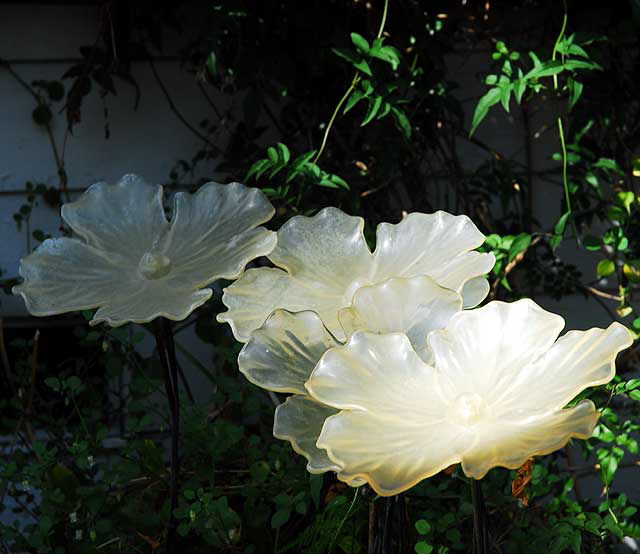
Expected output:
(353, 99)
(257, 169)
(505, 95)
(360, 43)
(299, 163)
(388, 54)
(348, 55)
(581, 64)
(545, 69)
(280, 517)
(561, 224)
(592, 243)
(491, 98)
(605, 268)
(338, 181)
(285, 154)
(423, 547)
(273, 154)
(52, 383)
(422, 526)
(212, 64)
(402, 121)
(374, 106)
(519, 244)
(608, 163)
(519, 87)
(575, 91)
(625, 199)
(364, 67)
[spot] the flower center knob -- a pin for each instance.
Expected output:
(468, 408)
(154, 266)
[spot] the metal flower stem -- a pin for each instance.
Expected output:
(480, 535)
(167, 352)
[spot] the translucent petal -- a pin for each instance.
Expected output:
(578, 360)
(126, 218)
(325, 258)
(65, 274)
(391, 455)
(281, 354)
(381, 374)
(475, 290)
(395, 429)
(510, 442)
(214, 233)
(299, 420)
(142, 301)
(438, 245)
(483, 350)
(412, 306)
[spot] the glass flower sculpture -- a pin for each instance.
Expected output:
(281, 355)
(135, 265)
(323, 260)
(337, 287)
(494, 395)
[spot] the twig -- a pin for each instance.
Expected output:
(602, 294)
(175, 109)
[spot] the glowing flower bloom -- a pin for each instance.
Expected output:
(133, 263)
(281, 354)
(325, 260)
(494, 396)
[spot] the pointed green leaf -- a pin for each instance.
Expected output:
(402, 121)
(374, 106)
(491, 98)
(360, 43)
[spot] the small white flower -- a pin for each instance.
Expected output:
(323, 260)
(281, 354)
(78, 534)
(73, 517)
(495, 394)
(134, 264)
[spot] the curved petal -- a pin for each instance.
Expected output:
(65, 275)
(578, 360)
(510, 442)
(126, 218)
(380, 374)
(395, 429)
(142, 301)
(391, 455)
(281, 354)
(438, 245)
(326, 259)
(475, 290)
(299, 420)
(412, 306)
(482, 350)
(214, 233)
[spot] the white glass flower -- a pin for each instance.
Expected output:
(281, 354)
(323, 260)
(133, 263)
(494, 396)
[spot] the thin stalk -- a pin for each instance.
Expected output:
(480, 535)
(354, 84)
(565, 181)
(166, 350)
